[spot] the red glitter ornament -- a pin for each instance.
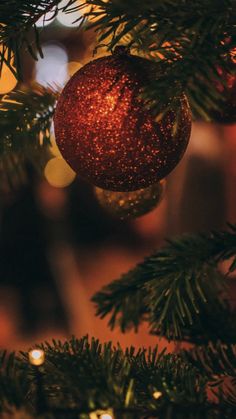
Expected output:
(107, 135)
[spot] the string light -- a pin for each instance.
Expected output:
(36, 357)
(102, 414)
(157, 395)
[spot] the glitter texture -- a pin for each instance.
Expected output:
(131, 204)
(105, 133)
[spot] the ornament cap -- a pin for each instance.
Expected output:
(121, 50)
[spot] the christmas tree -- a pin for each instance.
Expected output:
(169, 61)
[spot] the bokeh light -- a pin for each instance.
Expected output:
(52, 69)
(58, 173)
(46, 19)
(157, 395)
(69, 19)
(36, 357)
(69, 69)
(106, 416)
(7, 79)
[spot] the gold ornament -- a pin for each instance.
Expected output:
(132, 204)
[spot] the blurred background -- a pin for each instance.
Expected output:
(58, 246)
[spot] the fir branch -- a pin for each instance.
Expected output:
(81, 376)
(18, 22)
(214, 360)
(25, 120)
(185, 38)
(178, 290)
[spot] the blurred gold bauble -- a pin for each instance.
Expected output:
(58, 173)
(132, 204)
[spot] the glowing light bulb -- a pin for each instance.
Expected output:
(36, 357)
(102, 414)
(157, 395)
(58, 173)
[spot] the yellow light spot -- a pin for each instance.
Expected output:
(102, 414)
(36, 357)
(157, 395)
(7, 80)
(58, 173)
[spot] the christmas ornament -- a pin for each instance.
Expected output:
(131, 204)
(107, 135)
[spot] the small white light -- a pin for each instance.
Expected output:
(36, 357)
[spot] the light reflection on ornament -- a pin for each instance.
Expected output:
(125, 205)
(58, 173)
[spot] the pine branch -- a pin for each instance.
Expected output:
(14, 385)
(178, 291)
(81, 376)
(18, 22)
(214, 360)
(218, 363)
(25, 118)
(185, 38)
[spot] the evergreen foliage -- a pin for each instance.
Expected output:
(18, 21)
(26, 117)
(178, 290)
(82, 376)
